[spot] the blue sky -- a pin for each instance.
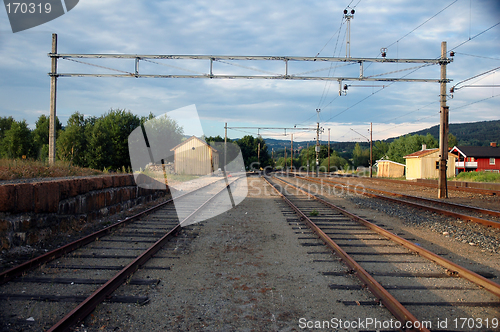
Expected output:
(279, 28)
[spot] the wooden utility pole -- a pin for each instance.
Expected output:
(307, 158)
(291, 153)
(317, 144)
(371, 150)
(443, 127)
(285, 158)
(53, 93)
(328, 150)
(258, 154)
(225, 147)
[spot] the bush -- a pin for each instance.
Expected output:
(478, 177)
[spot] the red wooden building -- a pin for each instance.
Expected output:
(477, 158)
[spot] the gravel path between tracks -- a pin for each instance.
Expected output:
(246, 271)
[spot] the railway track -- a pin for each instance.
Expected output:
(414, 284)
(89, 271)
(474, 214)
(451, 186)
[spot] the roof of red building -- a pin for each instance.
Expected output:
(477, 151)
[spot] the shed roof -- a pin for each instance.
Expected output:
(477, 151)
(190, 139)
(421, 153)
(390, 161)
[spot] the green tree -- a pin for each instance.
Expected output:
(5, 124)
(72, 142)
(249, 149)
(360, 157)
(100, 152)
(452, 140)
(336, 162)
(408, 144)
(17, 141)
(119, 124)
(163, 134)
(41, 136)
(380, 150)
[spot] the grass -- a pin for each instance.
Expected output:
(11, 169)
(477, 177)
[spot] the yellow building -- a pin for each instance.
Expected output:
(390, 169)
(424, 164)
(195, 157)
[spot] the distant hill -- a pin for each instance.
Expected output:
(473, 133)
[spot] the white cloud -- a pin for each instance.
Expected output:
(255, 28)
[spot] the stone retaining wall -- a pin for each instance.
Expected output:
(31, 212)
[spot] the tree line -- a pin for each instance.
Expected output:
(95, 142)
(102, 143)
(360, 156)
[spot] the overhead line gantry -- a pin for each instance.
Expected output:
(135, 73)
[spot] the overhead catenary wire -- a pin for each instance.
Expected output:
(477, 56)
(430, 18)
(98, 66)
(471, 38)
(397, 41)
(475, 102)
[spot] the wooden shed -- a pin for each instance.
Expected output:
(390, 169)
(424, 164)
(195, 157)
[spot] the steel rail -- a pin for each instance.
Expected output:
(393, 305)
(464, 217)
(454, 269)
(491, 192)
(17, 271)
(89, 304)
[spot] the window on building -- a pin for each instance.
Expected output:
(437, 164)
(492, 161)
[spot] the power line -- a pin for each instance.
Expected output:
(404, 124)
(477, 56)
(418, 109)
(479, 34)
(475, 102)
(373, 93)
(423, 23)
(328, 84)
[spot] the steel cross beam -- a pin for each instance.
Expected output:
(214, 58)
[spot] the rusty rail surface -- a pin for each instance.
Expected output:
(393, 305)
(455, 269)
(468, 218)
(490, 192)
(90, 303)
